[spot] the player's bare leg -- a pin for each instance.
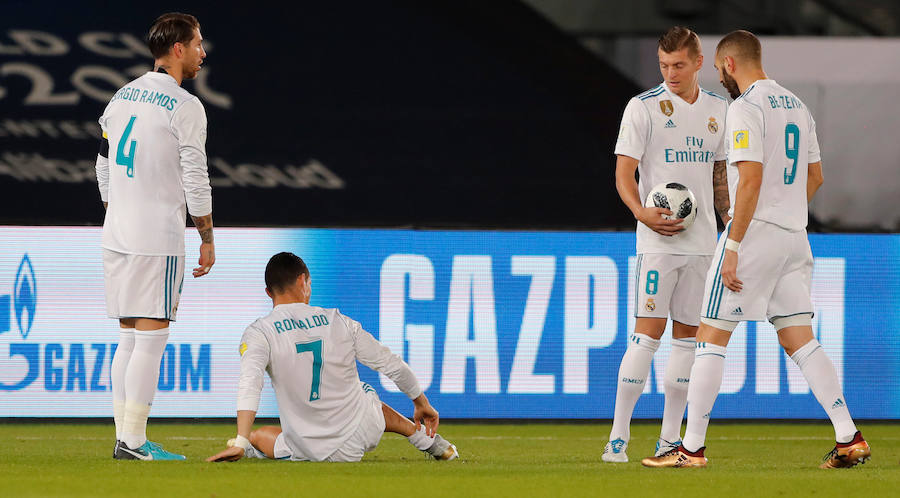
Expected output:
(678, 373)
(796, 337)
(436, 446)
(141, 376)
(706, 379)
(632, 375)
(263, 439)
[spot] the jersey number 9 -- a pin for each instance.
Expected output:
(791, 150)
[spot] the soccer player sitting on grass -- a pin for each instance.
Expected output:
(310, 353)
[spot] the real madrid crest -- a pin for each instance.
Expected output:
(650, 304)
(666, 107)
(712, 125)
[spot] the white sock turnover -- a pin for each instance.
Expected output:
(420, 439)
(141, 378)
(823, 381)
(678, 374)
(117, 376)
(633, 372)
(706, 379)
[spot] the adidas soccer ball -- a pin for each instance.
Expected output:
(676, 198)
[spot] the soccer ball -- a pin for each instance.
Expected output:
(676, 198)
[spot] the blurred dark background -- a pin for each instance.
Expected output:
(494, 114)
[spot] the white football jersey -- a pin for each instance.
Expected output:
(310, 354)
(157, 159)
(768, 124)
(676, 142)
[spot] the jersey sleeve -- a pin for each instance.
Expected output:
(377, 356)
(101, 167)
(189, 126)
(745, 132)
(254, 351)
(814, 154)
(634, 132)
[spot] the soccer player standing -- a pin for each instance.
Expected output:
(763, 264)
(152, 162)
(670, 133)
(310, 353)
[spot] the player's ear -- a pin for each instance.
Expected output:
(269, 293)
(699, 61)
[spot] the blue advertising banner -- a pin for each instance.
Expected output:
(495, 324)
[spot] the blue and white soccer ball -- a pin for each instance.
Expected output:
(676, 198)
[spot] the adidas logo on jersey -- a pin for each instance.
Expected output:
(838, 404)
(737, 311)
(670, 124)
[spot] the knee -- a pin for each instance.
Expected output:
(255, 438)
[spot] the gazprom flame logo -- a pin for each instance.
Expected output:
(25, 296)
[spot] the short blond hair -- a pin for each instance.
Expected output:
(679, 37)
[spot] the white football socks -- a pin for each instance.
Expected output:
(823, 381)
(678, 373)
(117, 376)
(141, 378)
(706, 379)
(420, 440)
(633, 372)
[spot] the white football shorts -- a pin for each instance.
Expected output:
(775, 266)
(670, 285)
(142, 286)
(364, 439)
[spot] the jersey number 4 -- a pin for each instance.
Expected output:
(314, 347)
(121, 158)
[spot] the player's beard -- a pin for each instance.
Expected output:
(190, 71)
(731, 85)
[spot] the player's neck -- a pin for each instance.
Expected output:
(691, 94)
(751, 77)
(173, 70)
(289, 298)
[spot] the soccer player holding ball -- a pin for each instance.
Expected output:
(151, 167)
(763, 264)
(672, 133)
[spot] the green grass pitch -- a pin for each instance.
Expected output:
(521, 460)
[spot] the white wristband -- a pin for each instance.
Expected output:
(732, 245)
(242, 442)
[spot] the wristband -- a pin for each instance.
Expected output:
(242, 442)
(732, 245)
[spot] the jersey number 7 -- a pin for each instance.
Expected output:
(314, 347)
(121, 158)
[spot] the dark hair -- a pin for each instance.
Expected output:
(741, 44)
(169, 29)
(679, 37)
(283, 270)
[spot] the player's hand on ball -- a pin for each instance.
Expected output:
(231, 454)
(729, 271)
(653, 218)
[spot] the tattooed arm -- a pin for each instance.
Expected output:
(720, 191)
